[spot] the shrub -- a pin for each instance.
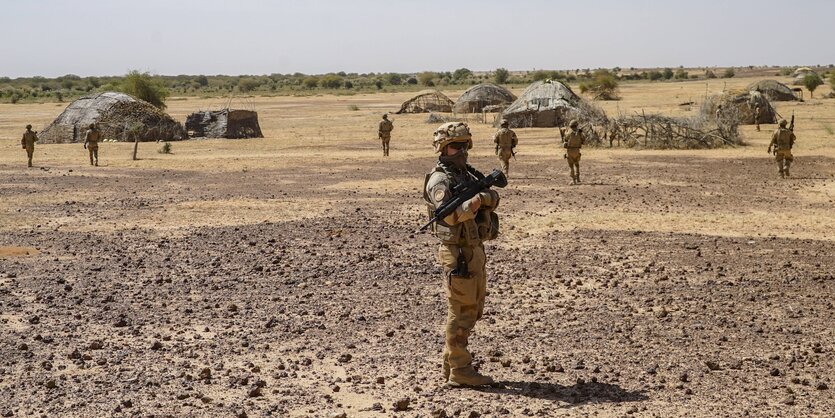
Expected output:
(501, 75)
(411, 81)
(710, 74)
(668, 74)
(461, 74)
(144, 87)
(311, 82)
(681, 74)
(603, 85)
(165, 149)
(349, 85)
(426, 78)
(832, 80)
(331, 82)
(729, 73)
(378, 84)
(248, 84)
(394, 79)
(202, 80)
(353, 107)
(655, 75)
(811, 82)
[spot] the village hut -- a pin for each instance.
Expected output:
(119, 116)
(477, 97)
(427, 101)
(742, 107)
(543, 104)
(773, 90)
(224, 123)
(801, 73)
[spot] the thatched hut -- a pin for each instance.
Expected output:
(543, 104)
(477, 97)
(427, 101)
(773, 90)
(225, 123)
(742, 107)
(801, 73)
(120, 117)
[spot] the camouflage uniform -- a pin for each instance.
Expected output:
(462, 232)
(505, 140)
(573, 141)
(758, 112)
(91, 142)
(384, 132)
(782, 141)
(28, 142)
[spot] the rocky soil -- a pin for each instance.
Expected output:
(342, 314)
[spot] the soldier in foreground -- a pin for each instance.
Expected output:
(28, 142)
(572, 142)
(91, 143)
(384, 133)
(505, 140)
(782, 141)
(461, 252)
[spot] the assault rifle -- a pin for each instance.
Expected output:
(466, 191)
(791, 124)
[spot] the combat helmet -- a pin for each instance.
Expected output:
(504, 123)
(29, 127)
(385, 116)
(92, 126)
(573, 124)
(452, 132)
(783, 123)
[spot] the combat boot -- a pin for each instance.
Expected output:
(467, 376)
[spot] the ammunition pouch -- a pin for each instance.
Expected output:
(488, 225)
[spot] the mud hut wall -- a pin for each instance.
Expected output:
(243, 124)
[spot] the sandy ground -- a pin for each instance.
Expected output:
(284, 276)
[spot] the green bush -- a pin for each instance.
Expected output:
(461, 74)
(681, 74)
(655, 75)
(394, 79)
(729, 73)
(603, 85)
(331, 81)
(812, 81)
(248, 84)
(427, 78)
(144, 87)
(311, 82)
(165, 149)
(668, 73)
(501, 75)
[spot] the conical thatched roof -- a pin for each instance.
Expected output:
(120, 117)
(477, 97)
(773, 90)
(742, 106)
(427, 101)
(542, 104)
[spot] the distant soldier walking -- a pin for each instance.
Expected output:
(506, 141)
(758, 113)
(782, 142)
(91, 143)
(384, 133)
(28, 142)
(572, 142)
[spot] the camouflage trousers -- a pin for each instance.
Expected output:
(504, 160)
(386, 139)
(94, 153)
(465, 300)
(573, 157)
(30, 152)
(784, 160)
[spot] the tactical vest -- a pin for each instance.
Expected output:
(462, 234)
(784, 139)
(504, 138)
(386, 126)
(573, 140)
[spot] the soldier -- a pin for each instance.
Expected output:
(384, 133)
(572, 143)
(91, 143)
(506, 141)
(461, 252)
(782, 141)
(28, 142)
(757, 116)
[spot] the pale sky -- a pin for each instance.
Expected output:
(109, 37)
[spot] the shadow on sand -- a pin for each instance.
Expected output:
(580, 393)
